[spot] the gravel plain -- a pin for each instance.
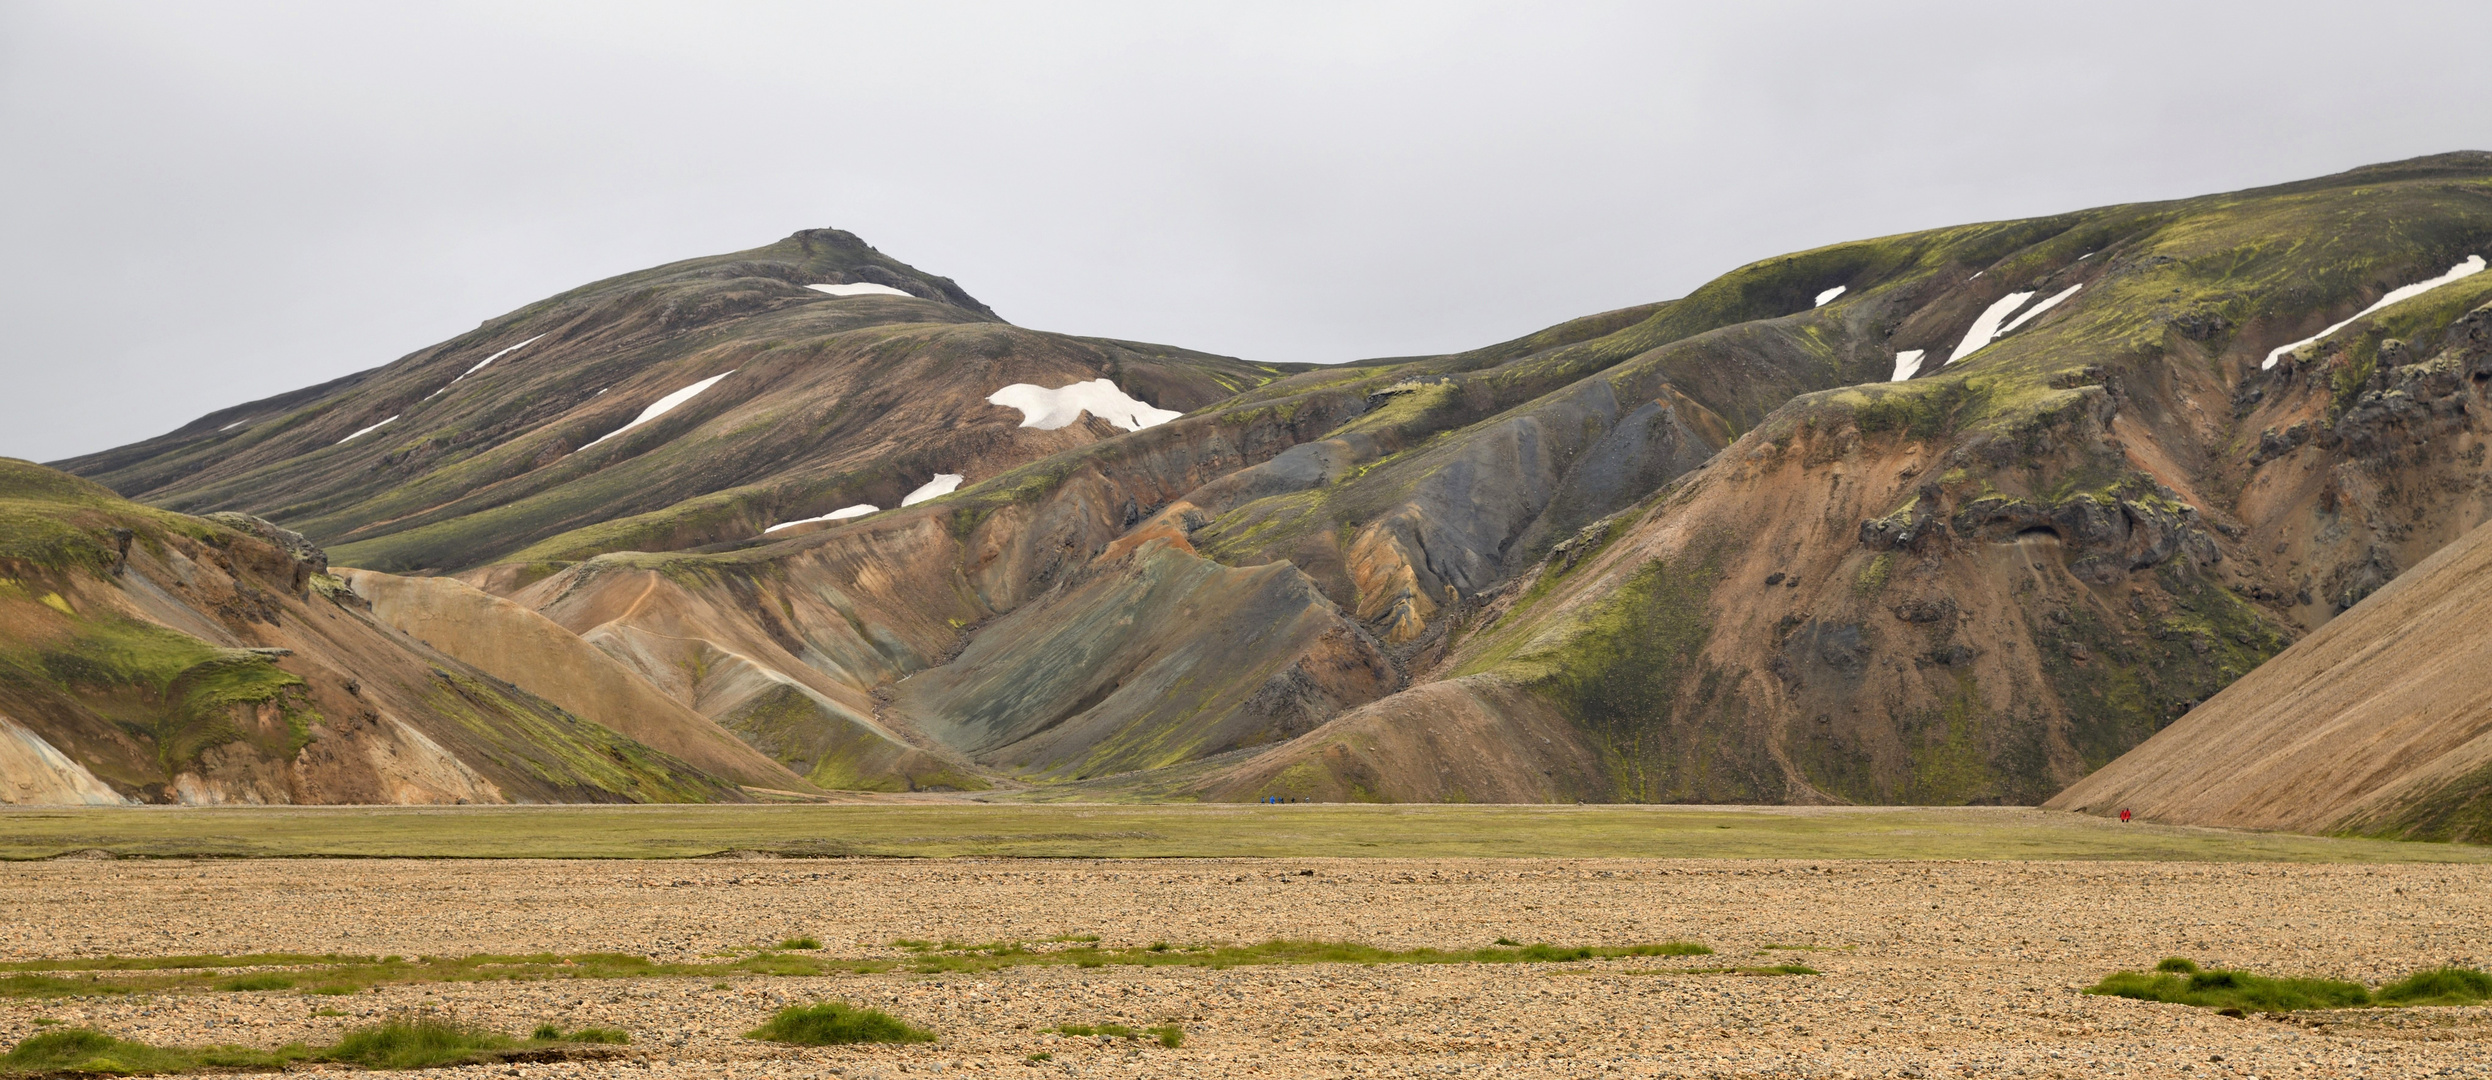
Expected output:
(1929, 969)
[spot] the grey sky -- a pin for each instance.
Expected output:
(203, 204)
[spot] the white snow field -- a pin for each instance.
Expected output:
(1907, 364)
(2047, 304)
(862, 288)
(362, 433)
(235, 424)
(663, 406)
(1048, 410)
(2471, 267)
(943, 484)
(1986, 329)
(841, 514)
(1827, 295)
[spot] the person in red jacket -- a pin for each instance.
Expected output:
(2124, 815)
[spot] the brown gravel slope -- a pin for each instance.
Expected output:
(1930, 969)
(2381, 722)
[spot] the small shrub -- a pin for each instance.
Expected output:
(546, 1033)
(833, 1023)
(416, 1042)
(806, 942)
(2439, 986)
(1169, 1035)
(2178, 965)
(1159, 946)
(1510, 942)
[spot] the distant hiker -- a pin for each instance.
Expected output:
(2124, 815)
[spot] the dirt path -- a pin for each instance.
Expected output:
(1932, 969)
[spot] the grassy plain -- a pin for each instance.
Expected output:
(1082, 831)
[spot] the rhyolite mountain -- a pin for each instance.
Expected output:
(149, 656)
(1952, 516)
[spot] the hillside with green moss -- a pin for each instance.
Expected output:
(153, 657)
(1955, 516)
(529, 439)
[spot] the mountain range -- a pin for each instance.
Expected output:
(1954, 516)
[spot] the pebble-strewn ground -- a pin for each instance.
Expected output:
(1955, 969)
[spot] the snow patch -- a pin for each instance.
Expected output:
(2047, 304)
(1048, 410)
(862, 288)
(235, 424)
(480, 364)
(1907, 364)
(841, 514)
(1828, 295)
(1986, 329)
(2087, 255)
(2471, 267)
(663, 406)
(943, 484)
(362, 433)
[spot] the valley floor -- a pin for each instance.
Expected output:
(1927, 968)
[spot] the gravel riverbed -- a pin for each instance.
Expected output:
(1928, 969)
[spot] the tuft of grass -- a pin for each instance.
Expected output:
(834, 1023)
(605, 1035)
(2177, 965)
(1508, 941)
(418, 1042)
(256, 982)
(2227, 989)
(328, 1012)
(1672, 948)
(805, 942)
(86, 1050)
(1169, 1035)
(2439, 986)
(546, 1031)
(1083, 1031)
(1039, 1057)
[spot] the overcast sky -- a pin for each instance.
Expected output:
(201, 204)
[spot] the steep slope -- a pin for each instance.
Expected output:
(1224, 581)
(697, 403)
(148, 656)
(2379, 723)
(1982, 583)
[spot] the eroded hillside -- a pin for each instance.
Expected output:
(1954, 516)
(147, 656)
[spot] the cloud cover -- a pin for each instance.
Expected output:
(208, 204)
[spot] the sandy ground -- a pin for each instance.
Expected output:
(1930, 969)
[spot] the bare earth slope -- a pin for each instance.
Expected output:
(147, 656)
(2381, 722)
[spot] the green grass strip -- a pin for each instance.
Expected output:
(2179, 981)
(350, 975)
(399, 1042)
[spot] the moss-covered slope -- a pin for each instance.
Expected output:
(149, 656)
(820, 401)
